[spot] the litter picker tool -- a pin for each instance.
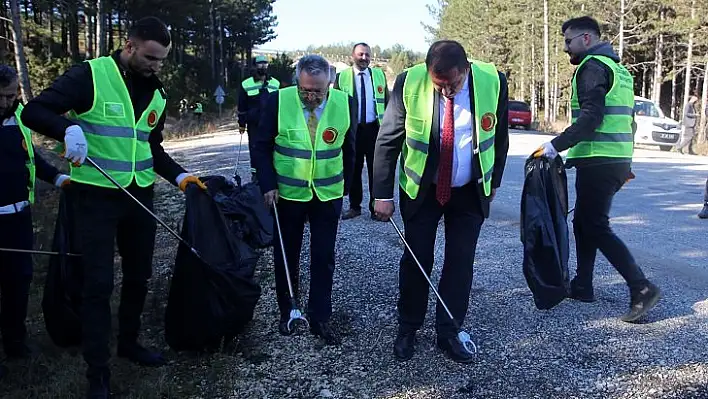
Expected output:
(295, 313)
(36, 252)
(462, 336)
(163, 224)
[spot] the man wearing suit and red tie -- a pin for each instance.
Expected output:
(368, 88)
(447, 119)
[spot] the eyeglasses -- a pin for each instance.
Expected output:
(568, 41)
(311, 93)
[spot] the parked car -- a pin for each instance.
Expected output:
(653, 128)
(519, 114)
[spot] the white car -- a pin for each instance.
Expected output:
(653, 128)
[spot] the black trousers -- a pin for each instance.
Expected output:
(365, 144)
(105, 216)
(463, 221)
(595, 188)
(252, 132)
(705, 193)
(15, 275)
(323, 219)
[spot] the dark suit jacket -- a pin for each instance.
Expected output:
(392, 136)
(264, 145)
(356, 84)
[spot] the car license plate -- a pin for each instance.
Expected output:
(515, 120)
(668, 136)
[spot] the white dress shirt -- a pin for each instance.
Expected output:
(369, 87)
(318, 110)
(464, 139)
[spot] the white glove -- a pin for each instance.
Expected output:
(75, 145)
(546, 150)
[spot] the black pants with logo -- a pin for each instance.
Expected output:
(104, 217)
(595, 187)
(15, 275)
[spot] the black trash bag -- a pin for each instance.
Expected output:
(544, 230)
(61, 302)
(245, 210)
(209, 303)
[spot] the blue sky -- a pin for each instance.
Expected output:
(314, 22)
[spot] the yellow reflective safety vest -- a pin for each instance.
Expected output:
(614, 136)
(27, 137)
(116, 142)
(418, 100)
(346, 84)
(304, 166)
(252, 88)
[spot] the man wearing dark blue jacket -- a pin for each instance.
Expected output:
(19, 165)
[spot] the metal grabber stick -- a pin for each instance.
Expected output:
(295, 313)
(36, 252)
(462, 336)
(163, 224)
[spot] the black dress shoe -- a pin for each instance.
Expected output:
(283, 326)
(582, 293)
(139, 355)
(404, 347)
(323, 330)
(351, 213)
(455, 351)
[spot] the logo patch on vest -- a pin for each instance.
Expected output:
(380, 89)
(113, 110)
(488, 122)
(330, 135)
(152, 118)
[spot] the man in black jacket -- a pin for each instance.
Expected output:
(125, 113)
(18, 165)
(599, 176)
(452, 120)
(306, 186)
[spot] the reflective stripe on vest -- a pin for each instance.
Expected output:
(614, 136)
(346, 84)
(27, 137)
(252, 88)
(418, 98)
(116, 142)
(304, 167)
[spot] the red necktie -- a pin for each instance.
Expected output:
(446, 150)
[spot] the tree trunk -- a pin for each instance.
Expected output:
(546, 107)
(20, 59)
(211, 40)
(88, 26)
(689, 59)
(704, 100)
(658, 66)
(64, 32)
(674, 84)
(109, 31)
(100, 34)
(644, 81)
(556, 93)
(73, 18)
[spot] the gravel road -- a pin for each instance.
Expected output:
(575, 350)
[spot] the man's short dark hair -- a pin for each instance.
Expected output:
(8, 75)
(150, 28)
(582, 23)
(446, 55)
(359, 44)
